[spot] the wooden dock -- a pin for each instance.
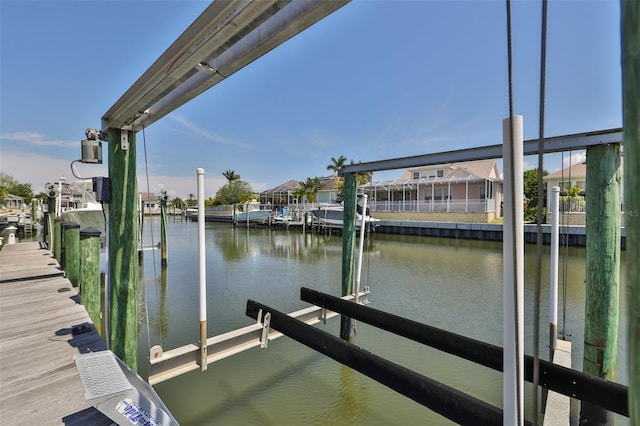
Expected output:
(39, 338)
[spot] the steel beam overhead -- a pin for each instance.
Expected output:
(227, 36)
(554, 144)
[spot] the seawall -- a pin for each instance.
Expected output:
(570, 235)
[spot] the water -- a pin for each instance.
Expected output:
(452, 284)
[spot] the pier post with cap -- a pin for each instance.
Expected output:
(90, 273)
(71, 261)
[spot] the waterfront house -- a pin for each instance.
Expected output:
(455, 192)
(151, 203)
(573, 203)
(13, 202)
(283, 194)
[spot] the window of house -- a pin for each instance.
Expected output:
(416, 175)
(432, 173)
(440, 173)
(489, 194)
(481, 194)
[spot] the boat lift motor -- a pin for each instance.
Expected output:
(91, 147)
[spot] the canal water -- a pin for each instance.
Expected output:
(452, 284)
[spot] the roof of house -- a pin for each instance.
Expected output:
(484, 169)
(576, 171)
(327, 183)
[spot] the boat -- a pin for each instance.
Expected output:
(332, 215)
(253, 213)
(82, 208)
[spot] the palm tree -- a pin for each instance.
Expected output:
(336, 163)
(231, 175)
(310, 188)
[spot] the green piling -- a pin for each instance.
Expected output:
(34, 212)
(57, 238)
(123, 257)
(348, 249)
(71, 258)
(603, 271)
(47, 222)
(630, 11)
(163, 229)
(90, 274)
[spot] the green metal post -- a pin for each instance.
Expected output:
(631, 111)
(348, 249)
(90, 274)
(603, 270)
(71, 252)
(123, 259)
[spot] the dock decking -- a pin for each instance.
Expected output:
(39, 382)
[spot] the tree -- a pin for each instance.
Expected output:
(336, 163)
(234, 192)
(231, 175)
(310, 188)
(191, 201)
(530, 184)
(176, 203)
(572, 201)
(9, 185)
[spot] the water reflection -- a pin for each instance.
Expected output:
(446, 283)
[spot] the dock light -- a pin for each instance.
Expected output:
(91, 147)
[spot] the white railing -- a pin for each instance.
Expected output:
(435, 206)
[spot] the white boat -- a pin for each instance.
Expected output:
(332, 215)
(253, 213)
(82, 208)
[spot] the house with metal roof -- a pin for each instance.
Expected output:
(456, 192)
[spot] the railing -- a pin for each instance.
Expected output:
(436, 206)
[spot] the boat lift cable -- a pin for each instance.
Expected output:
(153, 253)
(536, 302)
(518, 414)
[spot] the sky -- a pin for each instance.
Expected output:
(374, 80)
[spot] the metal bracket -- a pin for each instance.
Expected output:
(124, 139)
(264, 341)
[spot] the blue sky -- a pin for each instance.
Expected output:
(374, 80)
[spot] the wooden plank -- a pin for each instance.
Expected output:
(39, 382)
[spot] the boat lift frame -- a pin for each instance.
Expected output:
(165, 365)
(442, 399)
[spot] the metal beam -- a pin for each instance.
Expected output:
(554, 144)
(172, 363)
(227, 36)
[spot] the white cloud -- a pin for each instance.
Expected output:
(38, 170)
(207, 134)
(36, 139)
(574, 158)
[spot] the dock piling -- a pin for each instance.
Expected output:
(90, 274)
(71, 259)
